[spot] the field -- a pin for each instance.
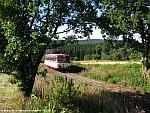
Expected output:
(127, 74)
(54, 93)
(106, 62)
(8, 93)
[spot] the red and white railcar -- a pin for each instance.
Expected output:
(57, 61)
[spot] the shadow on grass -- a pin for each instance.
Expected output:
(100, 101)
(72, 69)
(114, 102)
(87, 100)
(76, 69)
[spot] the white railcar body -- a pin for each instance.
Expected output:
(57, 61)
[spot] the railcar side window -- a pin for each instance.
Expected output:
(50, 58)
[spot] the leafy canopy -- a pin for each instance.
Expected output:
(29, 27)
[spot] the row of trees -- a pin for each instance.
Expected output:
(28, 27)
(108, 50)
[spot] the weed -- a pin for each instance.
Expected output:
(8, 93)
(65, 96)
(59, 97)
(128, 75)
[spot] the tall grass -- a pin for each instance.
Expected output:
(60, 97)
(128, 75)
(56, 94)
(65, 96)
(8, 93)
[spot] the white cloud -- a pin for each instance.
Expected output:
(95, 35)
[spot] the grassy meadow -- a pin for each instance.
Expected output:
(9, 94)
(56, 94)
(127, 75)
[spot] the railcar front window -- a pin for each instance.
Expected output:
(67, 59)
(63, 59)
(60, 59)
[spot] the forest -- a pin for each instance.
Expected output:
(106, 50)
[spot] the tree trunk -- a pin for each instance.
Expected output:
(145, 47)
(30, 74)
(145, 55)
(145, 64)
(28, 77)
(29, 86)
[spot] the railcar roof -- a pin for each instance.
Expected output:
(57, 55)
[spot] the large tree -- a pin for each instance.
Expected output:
(28, 27)
(128, 19)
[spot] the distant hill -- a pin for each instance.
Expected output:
(90, 41)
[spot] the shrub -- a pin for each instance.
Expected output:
(95, 57)
(128, 75)
(59, 98)
(76, 59)
(65, 96)
(87, 57)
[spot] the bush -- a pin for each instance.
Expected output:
(59, 98)
(95, 57)
(87, 57)
(63, 93)
(64, 96)
(76, 59)
(128, 75)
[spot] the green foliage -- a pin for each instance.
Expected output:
(87, 57)
(77, 50)
(75, 59)
(115, 78)
(59, 98)
(63, 95)
(107, 50)
(42, 71)
(30, 27)
(95, 56)
(127, 18)
(128, 75)
(63, 92)
(9, 93)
